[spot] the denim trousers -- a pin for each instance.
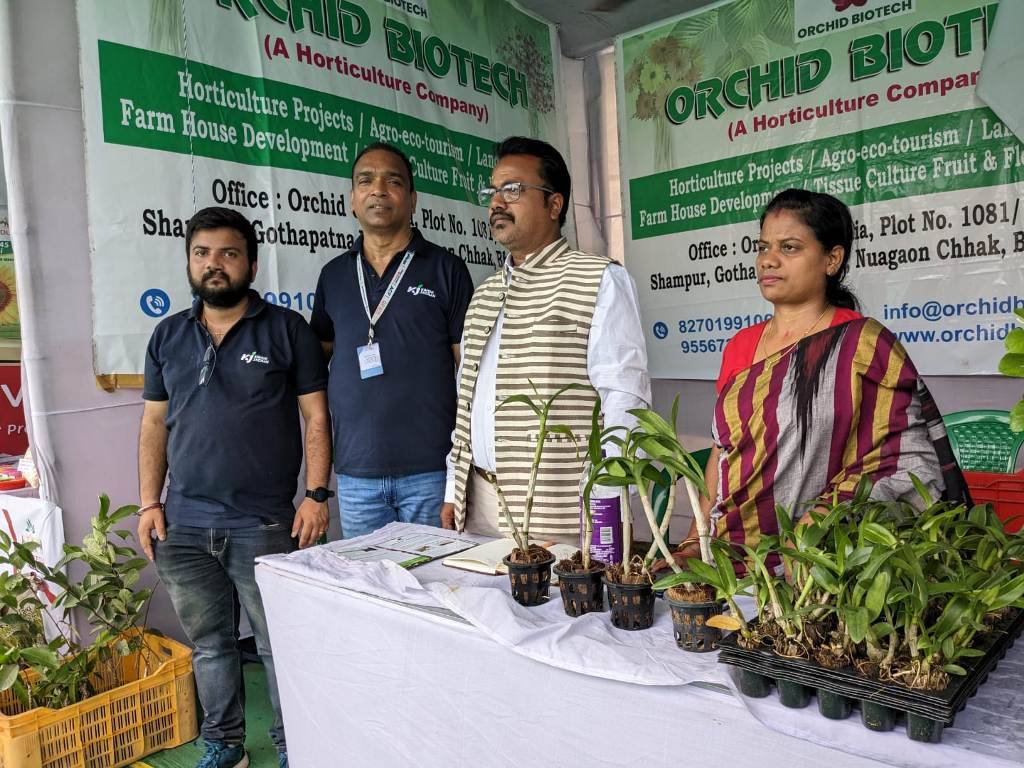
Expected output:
(369, 503)
(203, 570)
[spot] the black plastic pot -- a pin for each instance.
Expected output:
(632, 605)
(881, 703)
(923, 729)
(754, 685)
(689, 624)
(530, 581)
(792, 694)
(833, 706)
(582, 591)
(877, 717)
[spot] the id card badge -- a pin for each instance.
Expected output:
(369, 361)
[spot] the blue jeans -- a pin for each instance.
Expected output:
(204, 569)
(369, 503)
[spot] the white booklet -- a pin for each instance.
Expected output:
(408, 550)
(486, 558)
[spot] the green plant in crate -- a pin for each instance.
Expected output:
(67, 669)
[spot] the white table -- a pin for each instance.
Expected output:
(367, 680)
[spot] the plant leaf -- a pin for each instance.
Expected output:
(1014, 341)
(1017, 417)
(653, 422)
(877, 593)
(824, 578)
(523, 400)
(8, 674)
(857, 623)
(922, 491)
(39, 656)
(725, 621)
(878, 534)
(1012, 364)
(726, 572)
(673, 580)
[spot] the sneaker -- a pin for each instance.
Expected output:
(220, 755)
(282, 760)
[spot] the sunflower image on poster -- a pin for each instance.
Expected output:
(709, 44)
(10, 327)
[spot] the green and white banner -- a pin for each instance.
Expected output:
(262, 105)
(870, 100)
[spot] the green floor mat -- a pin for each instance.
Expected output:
(258, 717)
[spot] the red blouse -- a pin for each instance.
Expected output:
(739, 352)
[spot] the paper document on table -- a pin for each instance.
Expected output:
(376, 554)
(408, 550)
(486, 558)
(427, 544)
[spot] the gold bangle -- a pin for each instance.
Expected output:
(686, 542)
(148, 507)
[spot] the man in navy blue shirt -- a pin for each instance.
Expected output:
(389, 314)
(225, 382)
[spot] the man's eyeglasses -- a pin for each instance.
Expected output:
(209, 363)
(510, 192)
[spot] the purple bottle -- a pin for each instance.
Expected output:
(606, 514)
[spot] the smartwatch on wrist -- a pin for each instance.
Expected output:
(319, 495)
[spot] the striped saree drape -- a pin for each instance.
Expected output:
(809, 422)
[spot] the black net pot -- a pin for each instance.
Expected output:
(632, 605)
(530, 581)
(689, 624)
(582, 592)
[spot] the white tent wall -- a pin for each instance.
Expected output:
(84, 438)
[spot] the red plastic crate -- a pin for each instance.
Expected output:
(1004, 492)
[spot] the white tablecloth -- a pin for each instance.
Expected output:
(438, 667)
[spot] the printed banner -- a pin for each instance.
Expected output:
(262, 106)
(869, 100)
(10, 323)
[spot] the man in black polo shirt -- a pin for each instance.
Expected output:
(225, 382)
(389, 314)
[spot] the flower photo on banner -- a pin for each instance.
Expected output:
(710, 44)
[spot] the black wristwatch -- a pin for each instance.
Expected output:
(319, 495)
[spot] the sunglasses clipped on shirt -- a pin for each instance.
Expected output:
(209, 363)
(510, 192)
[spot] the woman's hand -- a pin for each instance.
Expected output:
(689, 548)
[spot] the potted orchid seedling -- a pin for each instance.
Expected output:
(529, 565)
(580, 577)
(647, 450)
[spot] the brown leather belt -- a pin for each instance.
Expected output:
(490, 477)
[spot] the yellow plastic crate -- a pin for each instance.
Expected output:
(154, 710)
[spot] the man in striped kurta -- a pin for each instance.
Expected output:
(550, 316)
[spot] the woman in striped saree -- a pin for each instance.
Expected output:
(819, 396)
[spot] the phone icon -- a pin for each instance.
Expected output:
(155, 302)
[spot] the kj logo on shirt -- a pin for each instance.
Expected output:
(255, 357)
(419, 290)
